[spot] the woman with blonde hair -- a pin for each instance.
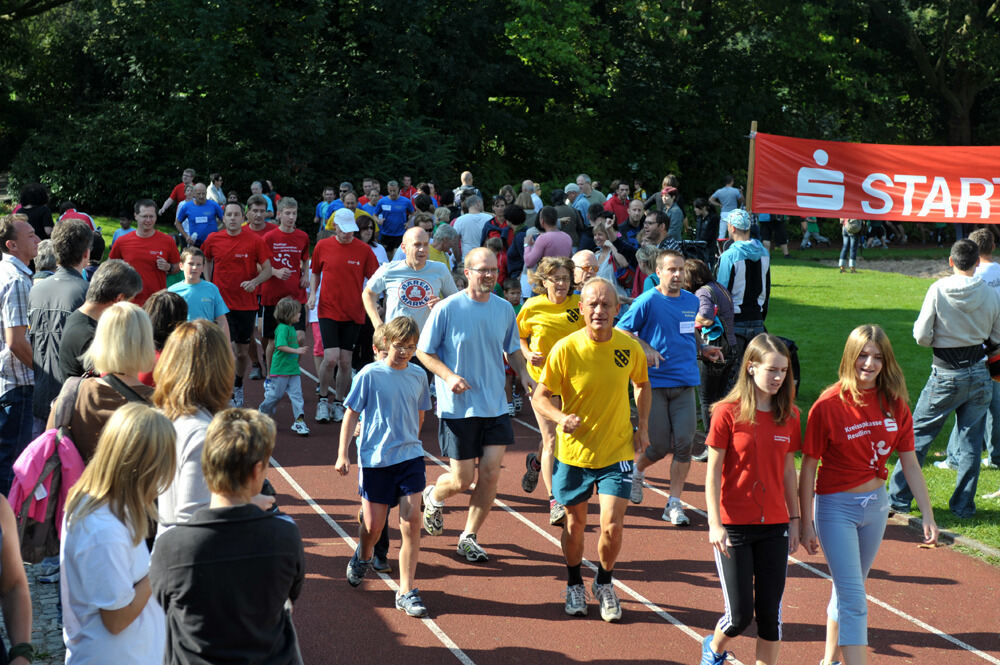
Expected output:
(854, 427)
(109, 616)
(122, 349)
(750, 489)
(544, 320)
(194, 379)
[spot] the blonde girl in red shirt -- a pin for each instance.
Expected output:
(750, 488)
(853, 428)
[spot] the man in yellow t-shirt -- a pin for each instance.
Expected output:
(590, 370)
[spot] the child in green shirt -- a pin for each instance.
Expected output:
(284, 376)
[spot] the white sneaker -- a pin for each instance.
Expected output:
(300, 427)
(237, 400)
(576, 600)
(611, 607)
(338, 412)
(636, 495)
(943, 464)
(323, 411)
(674, 513)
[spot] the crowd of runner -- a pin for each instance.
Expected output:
(611, 314)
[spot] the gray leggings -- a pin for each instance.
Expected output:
(850, 527)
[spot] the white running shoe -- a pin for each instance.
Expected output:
(611, 607)
(300, 427)
(674, 513)
(469, 548)
(323, 411)
(237, 400)
(636, 495)
(338, 412)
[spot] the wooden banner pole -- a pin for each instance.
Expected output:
(753, 137)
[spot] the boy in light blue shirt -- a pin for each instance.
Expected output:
(203, 298)
(389, 397)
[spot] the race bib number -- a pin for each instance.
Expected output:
(687, 327)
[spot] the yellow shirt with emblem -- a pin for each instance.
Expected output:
(546, 323)
(592, 379)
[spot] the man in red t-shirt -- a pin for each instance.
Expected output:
(289, 250)
(177, 194)
(257, 223)
(237, 263)
(346, 262)
(408, 190)
(152, 253)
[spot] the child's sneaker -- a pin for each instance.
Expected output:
(433, 519)
(411, 603)
(300, 427)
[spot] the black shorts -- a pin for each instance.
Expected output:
(467, 438)
(341, 335)
(271, 324)
(241, 324)
(773, 231)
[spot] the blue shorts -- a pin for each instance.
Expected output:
(385, 484)
(575, 484)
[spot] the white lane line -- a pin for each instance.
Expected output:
(819, 573)
(428, 622)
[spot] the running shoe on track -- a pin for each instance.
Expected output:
(557, 513)
(709, 657)
(323, 410)
(470, 549)
(529, 481)
(611, 607)
(356, 569)
(411, 603)
(433, 519)
(380, 564)
(636, 494)
(576, 600)
(674, 513)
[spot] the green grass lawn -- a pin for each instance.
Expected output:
(817, 307)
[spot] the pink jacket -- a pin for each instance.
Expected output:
(28, 469)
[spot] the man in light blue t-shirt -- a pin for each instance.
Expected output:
(412, 287)
(662, 319)
(462, 344)
(727, 199)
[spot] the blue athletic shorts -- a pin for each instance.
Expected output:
(385, 484)
(575, 484)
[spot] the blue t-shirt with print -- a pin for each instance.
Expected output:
(394, 214)
(389, 401)
(667, 325)
(201, 219)
(470, 338)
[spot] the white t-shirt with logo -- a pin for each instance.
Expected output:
(407, 290)
(989, 273)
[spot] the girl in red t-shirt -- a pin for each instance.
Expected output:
(853, 428)
(750, 488)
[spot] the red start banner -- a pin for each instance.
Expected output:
(871, 181)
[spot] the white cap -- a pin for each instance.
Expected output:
(344, 219)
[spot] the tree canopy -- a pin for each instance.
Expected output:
(107, 100)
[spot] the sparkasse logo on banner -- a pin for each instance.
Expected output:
(872, 181)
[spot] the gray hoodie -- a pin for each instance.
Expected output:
(958, 311)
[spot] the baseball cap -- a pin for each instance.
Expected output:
(572, 187)
(740, 219)
(344, 219)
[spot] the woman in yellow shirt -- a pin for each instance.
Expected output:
(543, 320)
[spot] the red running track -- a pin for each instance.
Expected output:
(925, 606)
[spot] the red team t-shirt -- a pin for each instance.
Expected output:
(235, 261)
(141, 254)
(854, 441)
(345, 267)
(287, 250)
(178, 192)
(753, 468)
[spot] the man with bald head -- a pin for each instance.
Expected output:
(412, 286)
(202, 215)
(585, 266)
(462, 343)
(466, 186)
(589, 371)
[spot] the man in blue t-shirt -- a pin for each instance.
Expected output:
(325, 207)
(463, 344)
(393, 210)
(202, 217)
(662, 319)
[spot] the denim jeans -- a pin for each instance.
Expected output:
(16, 420)
(850, 528)
(850, 246)
(966, 392)
(991, 433)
